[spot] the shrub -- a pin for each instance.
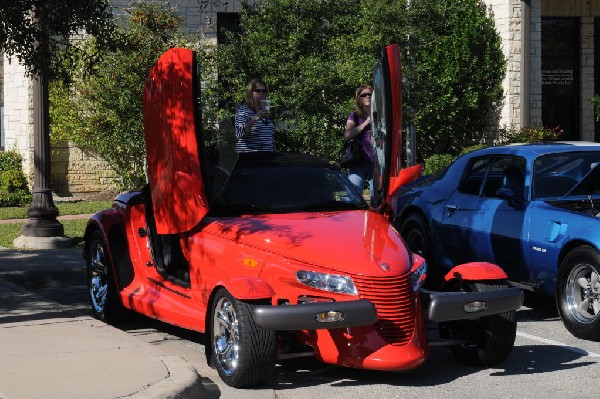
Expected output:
(529, 134)
(14, 190)
(436, 162)
(10, 160)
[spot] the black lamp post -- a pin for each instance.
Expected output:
(42, 230)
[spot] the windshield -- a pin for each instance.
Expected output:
(554, 175)
(285, 188)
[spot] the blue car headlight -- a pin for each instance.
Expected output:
(327, 282)
(418, 276)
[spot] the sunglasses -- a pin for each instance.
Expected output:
(261, 91)
(365, 95)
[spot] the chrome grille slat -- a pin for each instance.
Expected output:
(394, 300)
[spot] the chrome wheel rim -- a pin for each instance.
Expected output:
(97, 277)
(583, 293)
(226, 337)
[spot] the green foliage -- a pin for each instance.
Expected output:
(313, 55)
(14, 190)
(455, 71)
(472, 148)
(10, 160)
(101, 108)
(34, 30)
(595, 102)
(437, 162)
(529, 134)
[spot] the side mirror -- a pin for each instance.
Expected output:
(505, 193)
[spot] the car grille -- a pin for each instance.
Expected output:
(394, 300)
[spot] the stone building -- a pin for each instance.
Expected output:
(552, 47)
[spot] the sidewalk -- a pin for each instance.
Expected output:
(50, 351)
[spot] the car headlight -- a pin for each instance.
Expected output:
(327, 282)
(418, 276)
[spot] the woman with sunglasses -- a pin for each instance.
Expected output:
(254, 129)
(358, 127)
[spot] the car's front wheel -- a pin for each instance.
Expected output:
(485, 341)
(243, 353)
(102, 289)
(416, 234)
(578, 293)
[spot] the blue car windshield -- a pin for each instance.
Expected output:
(554, 175)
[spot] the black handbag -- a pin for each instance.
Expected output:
(352, 153)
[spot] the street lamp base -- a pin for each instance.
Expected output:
(27, 242)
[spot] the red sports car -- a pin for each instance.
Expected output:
(272, 253)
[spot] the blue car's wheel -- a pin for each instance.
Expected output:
(415, 231)
(578, 293)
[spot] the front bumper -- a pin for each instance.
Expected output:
(304, 316)
(447, 306)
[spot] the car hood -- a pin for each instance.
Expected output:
(351, 241)
(588, 185)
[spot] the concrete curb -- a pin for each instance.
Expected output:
(183, 382)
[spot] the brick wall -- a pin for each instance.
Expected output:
(18, 113)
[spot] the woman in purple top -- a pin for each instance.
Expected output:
(358, 127)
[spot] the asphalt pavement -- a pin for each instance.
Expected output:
(48, 350)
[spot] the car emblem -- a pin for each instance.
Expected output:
(384, 266)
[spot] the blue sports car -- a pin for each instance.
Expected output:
(533, 209)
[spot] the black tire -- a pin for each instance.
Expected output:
(578, 293)
(415, 232)
(243, 353)
(488, 340)
(102, 290)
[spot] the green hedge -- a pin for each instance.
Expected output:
(14, 190)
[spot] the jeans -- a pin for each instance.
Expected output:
(359, 174)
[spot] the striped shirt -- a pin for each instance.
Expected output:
(261, 135)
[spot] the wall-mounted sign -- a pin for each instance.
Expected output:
(557, 77)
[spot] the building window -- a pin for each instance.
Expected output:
(227, 22)
(561, 48)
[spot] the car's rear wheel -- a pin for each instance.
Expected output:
(243, 353)
(102, 289)
(578, 293)
(487, 340)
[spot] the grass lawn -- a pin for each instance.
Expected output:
(73, 228)
(65, 208)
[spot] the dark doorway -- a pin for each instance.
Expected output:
(596, 73)
(561, 105)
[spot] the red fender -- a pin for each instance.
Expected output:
(248, 288)
(476, 271)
